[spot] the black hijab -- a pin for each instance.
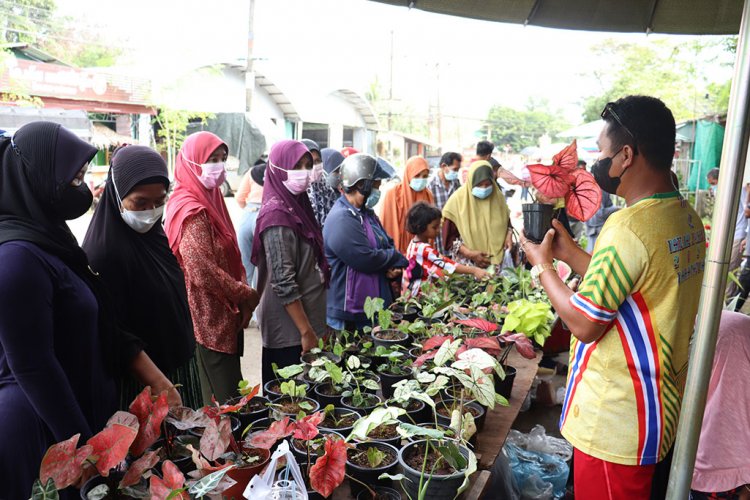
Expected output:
(37, 167)
(140, 270)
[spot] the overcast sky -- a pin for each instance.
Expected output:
(346, 43)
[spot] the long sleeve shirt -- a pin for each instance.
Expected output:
(213, 294)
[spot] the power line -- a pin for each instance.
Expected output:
(65, 38)
(50, 24)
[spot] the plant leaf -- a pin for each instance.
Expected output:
(471, 468)
(447, 352)
(552, 181)
(488, 344)
(63, 463)
(378, 416)
(111, 445)
(523, 345)
(124, 418)
(150, 417)
(184, 418)
(435, 341)
(410, 430)
(567, 158)
(290, 371)
(278, 430)
(307, 427)
(44, 491)
(585, 196)
(209, 483)
(453, 456)
(479, 324)
(215, 438)
(328, 472)
(137, 468)
(98, 492)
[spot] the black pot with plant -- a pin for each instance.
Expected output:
(301, 447)
(328, 394)
(363, 402)
(417, 412)
(272, 388)
(310, 357)
(421, 461)
(445, 408)
(381, 493)
(340, 420)
(367, 461)
(385, 433)
(112, 481)
(537, 220)
(390, 337)
(255, 409)
(504, 387)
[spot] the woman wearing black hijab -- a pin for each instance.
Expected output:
(127, 246)
(60, 349)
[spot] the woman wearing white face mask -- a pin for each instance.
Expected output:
(203, 238)
(476, 219)
(127, 246)
(400, 199)
(293, 273)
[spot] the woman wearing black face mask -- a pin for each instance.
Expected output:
(59, 347)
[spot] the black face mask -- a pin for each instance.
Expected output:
(72, 202)
(601, 169)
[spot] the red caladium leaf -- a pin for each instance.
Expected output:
(215, 438)
(137, 468)
(479, 324)
(160, 489)
(203, 466)
(278, 430)
(585, 197)
(124, 418)
(150, 417)
(425, 357)
(307, 428)
(488, 344)
(564, 271)
(111, 446)
(435, 342)
(552, 181)
(328, 472)
(568, 157)
(523, 344)
(63, 463)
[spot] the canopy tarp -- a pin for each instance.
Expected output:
(709, 139)
(717, 17)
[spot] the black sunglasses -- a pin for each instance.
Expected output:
(609, 109)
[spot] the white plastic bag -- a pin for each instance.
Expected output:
(539, 441)
(262, 487)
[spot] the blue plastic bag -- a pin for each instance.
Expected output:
(529, 467)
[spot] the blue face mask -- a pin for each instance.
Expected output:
(373, 199)
(451, 175)
(482, 192)
(418, 184)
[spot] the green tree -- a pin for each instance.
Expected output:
(23, 21)
(172, 130)
(679, 73)
(522, 128)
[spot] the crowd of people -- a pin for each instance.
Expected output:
(84, 329)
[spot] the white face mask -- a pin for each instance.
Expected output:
(143, 220)
(140, 221)
(317, 172)
(213, 175)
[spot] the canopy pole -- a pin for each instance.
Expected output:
(733, 159)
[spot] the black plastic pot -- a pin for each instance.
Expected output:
(479, 417)
(340, 412)
(373, 401)
(367, 475)
(274, 394)
(279, 414)
(246, 415)
(309, 357)
(376, 378)
(113, 480)
(402, 339)
(440, 487)
(300, 453)
(537, 220)
(415, 352)
(326, 399)
(408, 313)
(393, 441)
(419, 415)
(505, 387)
(388, 380)
(382, 492)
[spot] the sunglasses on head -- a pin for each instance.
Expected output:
(609, 109)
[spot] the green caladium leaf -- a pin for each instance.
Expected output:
(208, 483)
(410, 430)
(47, 491)
(447, 352)
(290, 371)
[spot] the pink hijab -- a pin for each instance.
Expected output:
(190, 197)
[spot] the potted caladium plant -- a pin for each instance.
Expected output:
(562, 179)
(383, 334)
(293, 400)
(272, 388)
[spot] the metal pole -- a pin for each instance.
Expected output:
(733, 159)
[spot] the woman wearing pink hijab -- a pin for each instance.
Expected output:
(203, 239)
(293, 272)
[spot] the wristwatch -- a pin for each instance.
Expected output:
(538, 269)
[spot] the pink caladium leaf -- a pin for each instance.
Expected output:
(150, 415)
(124, 418)
(138, 468)
(215, 438)
(328, 472)
(184, 418)
(488, 344)
(435, 342)
(479, 324)
(278, 430)
(307, 427)
(63, 463)
(425, 357)
(173, 480)
(111, 445)
(523, 344)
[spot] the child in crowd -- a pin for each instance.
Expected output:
(425, 263)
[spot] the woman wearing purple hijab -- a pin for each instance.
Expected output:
(293, 273)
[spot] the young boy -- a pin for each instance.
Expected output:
(425, 263)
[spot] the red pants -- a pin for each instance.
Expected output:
(596, 479)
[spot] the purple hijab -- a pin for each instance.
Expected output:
(282, 208)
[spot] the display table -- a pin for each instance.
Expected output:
(496, 428)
